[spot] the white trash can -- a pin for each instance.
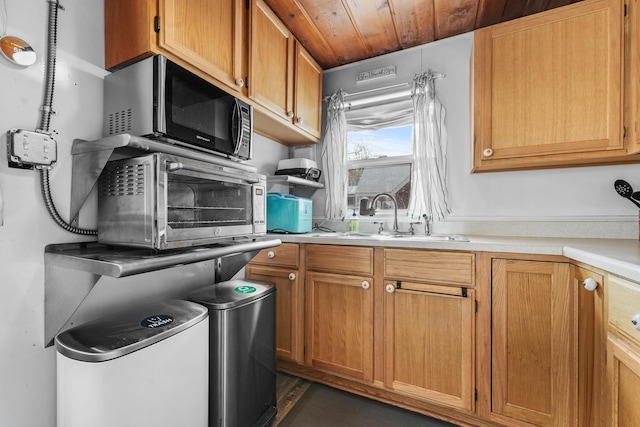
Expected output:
(143, 367)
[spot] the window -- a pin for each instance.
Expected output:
(379, 154)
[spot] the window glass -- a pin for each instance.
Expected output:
(379, 161)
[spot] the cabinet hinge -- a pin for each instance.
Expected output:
(248, 4)
(398, 284)
(624, 131)
(156, 24)
(476, 303)
(464, 292)
(625, 9)
(475, 394)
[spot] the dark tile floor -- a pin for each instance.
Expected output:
(323, 406)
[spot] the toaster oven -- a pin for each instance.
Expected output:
(163, 201)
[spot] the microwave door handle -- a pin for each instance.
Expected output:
(236, 120)
(175, 166)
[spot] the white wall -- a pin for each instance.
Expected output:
(568, 195)
(27, 369)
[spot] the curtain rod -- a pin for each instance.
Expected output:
(399, 85)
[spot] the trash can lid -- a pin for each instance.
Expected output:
(124, 332)
(232, 293)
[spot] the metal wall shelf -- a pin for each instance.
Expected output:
(63, 298)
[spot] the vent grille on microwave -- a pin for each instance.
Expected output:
(124, 180)
(120, 122)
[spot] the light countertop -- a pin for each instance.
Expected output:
(617, 256)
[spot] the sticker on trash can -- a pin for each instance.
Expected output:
(245, 289)
(157, 321)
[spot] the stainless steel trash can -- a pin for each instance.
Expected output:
(242, 371)
(147, 367)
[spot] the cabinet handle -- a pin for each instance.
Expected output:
(590, 284)
(635, 321)
(488, 152)
(292, 276)
(271, 254)
(239, 82)
(390, 288)
(290, 114)
(365, 284)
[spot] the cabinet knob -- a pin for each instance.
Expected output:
(299, 119)
(290, 114)
(390, 288)
(635, 321)
(365, 284)
(292, 276)
(239, 82)
(488, 152)
(271, 254)
(590, 284)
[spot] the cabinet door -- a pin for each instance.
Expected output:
(270, 61)
(308, 92)
(624, 384)
(207, 34)
(632, 75)
(289, 309)
(429, 342)
(339, 328)
(128, 31)
(534, 343)
(547, 88)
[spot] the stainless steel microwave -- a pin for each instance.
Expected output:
(157, 98)
(163, 201)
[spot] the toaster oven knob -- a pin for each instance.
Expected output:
(270, 254)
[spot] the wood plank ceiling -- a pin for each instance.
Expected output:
(338, 32)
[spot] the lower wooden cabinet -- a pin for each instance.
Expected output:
(623, 350)
(624, 377)
(534, 343)
(280, 267)
(339, 329)
(429, 332)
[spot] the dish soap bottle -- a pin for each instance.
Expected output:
(354, 225)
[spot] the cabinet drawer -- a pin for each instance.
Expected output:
(285, 255)
(624, 303)
(455, 268)
(340, 259)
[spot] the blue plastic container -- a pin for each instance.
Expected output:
(287, 213)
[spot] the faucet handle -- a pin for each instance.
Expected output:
(411, 224)
(381, 226)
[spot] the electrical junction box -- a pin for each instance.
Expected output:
(27, 149)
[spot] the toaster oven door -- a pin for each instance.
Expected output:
(205, 203)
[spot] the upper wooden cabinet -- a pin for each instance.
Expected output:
(274, 73)
(208, 35)
(632, 74)
(284, 78)
(548, 89)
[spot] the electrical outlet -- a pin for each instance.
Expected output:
(27, 149)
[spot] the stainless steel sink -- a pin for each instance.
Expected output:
(394, 236)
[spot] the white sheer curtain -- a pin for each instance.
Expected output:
(334, 157)
(429, 193)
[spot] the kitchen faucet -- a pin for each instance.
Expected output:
(369, 209)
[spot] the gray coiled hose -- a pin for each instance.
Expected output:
(47, 104)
